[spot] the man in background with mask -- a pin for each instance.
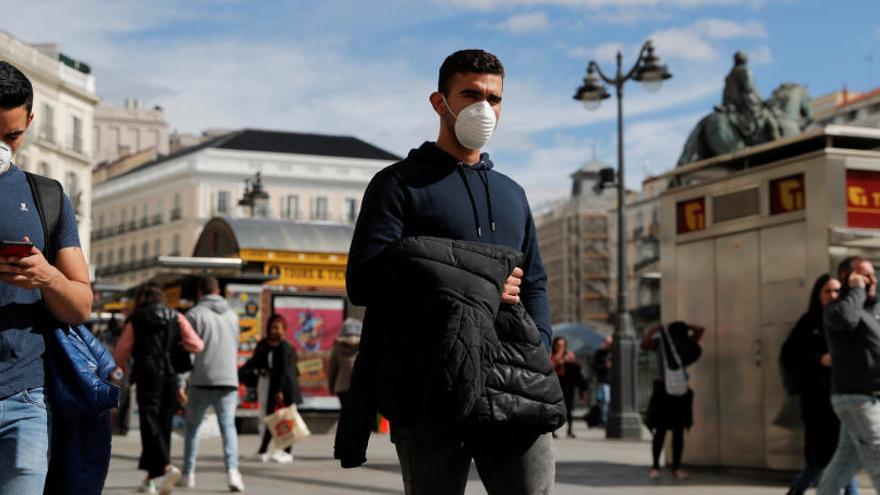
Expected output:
(449, 189)
(852, 327)
(29, 286)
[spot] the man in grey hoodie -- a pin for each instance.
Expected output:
(214, 380)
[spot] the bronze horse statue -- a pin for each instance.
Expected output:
(786, 113)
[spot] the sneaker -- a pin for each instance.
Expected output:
(188, 480)
(264, 457)
(679, 474)
(654, 474)
(282, 457)
(235, 482)
(166, 482)
(148, 486)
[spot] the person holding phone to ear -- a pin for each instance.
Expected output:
(31, 288)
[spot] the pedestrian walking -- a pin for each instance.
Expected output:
(342, 356)
(214, 380)
(852, 327)
(602, 363)
(274, 360)
(41, 276)
(152, 334)
(807, 367)
(571, 378)
(429, 298)
(671, 405)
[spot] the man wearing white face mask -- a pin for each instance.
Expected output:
(445, 189)
(29, 288)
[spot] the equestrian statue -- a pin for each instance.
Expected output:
(744, 119)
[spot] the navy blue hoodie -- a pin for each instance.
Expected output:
(431, 193)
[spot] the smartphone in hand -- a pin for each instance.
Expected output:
(19, 249)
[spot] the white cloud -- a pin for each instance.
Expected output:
(683, 43)
(606, 52)
(724, 29)
(595, 4)
(761, 55)
(525, 23)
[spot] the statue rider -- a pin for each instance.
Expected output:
(741, 101)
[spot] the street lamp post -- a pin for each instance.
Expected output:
(254, 196)
(624, 420)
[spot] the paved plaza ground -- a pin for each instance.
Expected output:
(586, 465)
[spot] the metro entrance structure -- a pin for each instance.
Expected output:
(743, 236)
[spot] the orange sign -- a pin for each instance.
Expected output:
(787, 194)
(691, 215)
(863, 199)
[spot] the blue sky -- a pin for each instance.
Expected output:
(366, 68)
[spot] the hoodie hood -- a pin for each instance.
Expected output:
(430, 152)
(215, 303)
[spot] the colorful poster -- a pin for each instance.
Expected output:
(313, 323)
(246, 301)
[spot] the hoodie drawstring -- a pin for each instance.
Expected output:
(471, 196)
(484, 177)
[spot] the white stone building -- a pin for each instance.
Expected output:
(59, 142)
(848, 107)
(129, 129)
(160, 207)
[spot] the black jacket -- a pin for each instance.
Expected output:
(283, 373)
(156, 330)
(801, 358)
(853, 329)
(441, 353)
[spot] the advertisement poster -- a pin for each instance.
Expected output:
(863, 198)
(313, 323)
(246, 301)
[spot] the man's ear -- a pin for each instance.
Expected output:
(436, 100)
(30, 119)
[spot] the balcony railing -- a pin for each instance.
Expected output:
(145, 222)
(175, 214)
(157, 219)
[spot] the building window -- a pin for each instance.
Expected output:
(290, 208)
(101, 222)
(99, 260)
(45, 169)
(222, 202)
(76, 138)
(351, 210)
(47, 123)
(319, 210)
(175, 211)
(175, 245)
(132, 253)
(158, 249)
(121, 255)
(73, 192)
(145, 250)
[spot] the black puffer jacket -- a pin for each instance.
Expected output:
(440, 353)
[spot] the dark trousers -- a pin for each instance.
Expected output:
(157, 403)
(80, 455)
(677, 445)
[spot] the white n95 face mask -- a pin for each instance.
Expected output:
(474, 124)
(5, 156)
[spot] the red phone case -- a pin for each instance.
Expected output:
(17, 249)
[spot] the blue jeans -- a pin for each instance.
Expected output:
(859, 443)
(811, 473)
(25, 423)
(603, 395)
(224, 402)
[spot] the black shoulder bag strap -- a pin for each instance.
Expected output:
(49, 197)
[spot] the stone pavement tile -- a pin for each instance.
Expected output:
(586, 465)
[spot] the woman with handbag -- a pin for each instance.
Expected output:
(806, 365)
(570, 378)
(274, 360)
(159, 338)
(671, 406)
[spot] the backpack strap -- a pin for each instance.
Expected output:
(49, 197)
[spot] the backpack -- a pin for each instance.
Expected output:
(49, 198)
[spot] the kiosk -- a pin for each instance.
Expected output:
(743, 237)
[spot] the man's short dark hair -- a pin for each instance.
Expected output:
(208, 285)
(462, 61)
(15, 88)
(845, 267)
